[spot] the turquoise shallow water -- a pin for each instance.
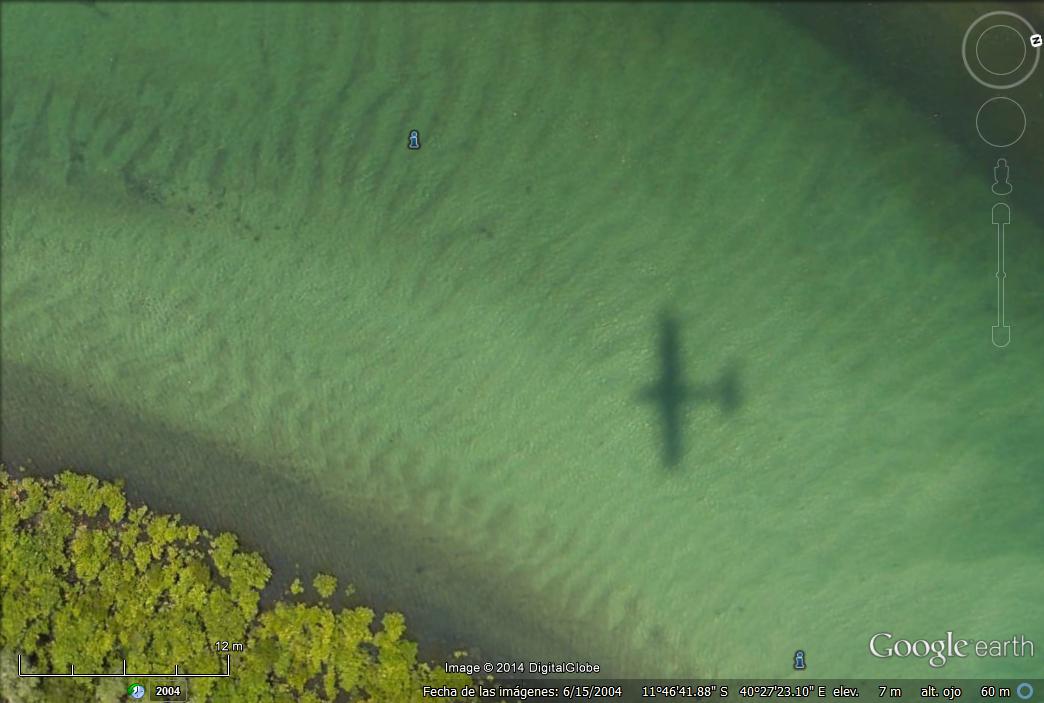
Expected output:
(227, 279)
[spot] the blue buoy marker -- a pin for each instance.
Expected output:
(799, 660)
(414, 142)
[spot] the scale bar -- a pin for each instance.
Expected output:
(72, 673)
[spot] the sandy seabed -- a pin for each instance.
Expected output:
(226, 279)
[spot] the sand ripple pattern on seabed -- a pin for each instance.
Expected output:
(211, 220)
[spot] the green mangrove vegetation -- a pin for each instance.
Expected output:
(88, 580)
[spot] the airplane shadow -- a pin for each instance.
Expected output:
(672, 395)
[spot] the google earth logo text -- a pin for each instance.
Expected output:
(884, 645)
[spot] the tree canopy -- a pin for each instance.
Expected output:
(88, 580)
